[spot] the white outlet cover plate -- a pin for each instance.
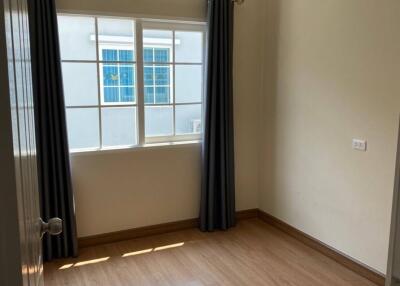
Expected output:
(359, 144)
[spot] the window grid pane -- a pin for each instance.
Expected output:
(111, 94)
(125, 55)
(110, 55)
(122, 77)
(157, 84)
(118, 82)
(160, 83)
(119, 126)
(188, 119)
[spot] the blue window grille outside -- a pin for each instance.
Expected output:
(110, 55)
(148, 54)
(118, 78)
(161, 55)
(157, 79)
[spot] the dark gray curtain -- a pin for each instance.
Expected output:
(217, 210)
(54, 173)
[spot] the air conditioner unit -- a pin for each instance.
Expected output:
(196, 125)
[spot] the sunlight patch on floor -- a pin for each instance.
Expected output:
(82, 263)
(66, 266)
(137, 252)
(169, 246)
(128, 254)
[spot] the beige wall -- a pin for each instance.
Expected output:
(309, 76)
(336, 69)
(133, 188)
(117, 190)
(248, 52)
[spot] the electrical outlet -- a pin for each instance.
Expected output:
(360, 145)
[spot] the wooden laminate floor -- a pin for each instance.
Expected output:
(253, 253)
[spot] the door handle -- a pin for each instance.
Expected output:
(52, 227)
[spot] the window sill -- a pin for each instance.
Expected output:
(121, 149)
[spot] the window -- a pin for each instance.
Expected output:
(157, 79)
(117, 79)
(130, 82)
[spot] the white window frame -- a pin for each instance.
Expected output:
(138, 63)
(173, 27)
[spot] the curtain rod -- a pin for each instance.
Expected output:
(239, 2)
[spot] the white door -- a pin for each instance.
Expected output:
(21, 227)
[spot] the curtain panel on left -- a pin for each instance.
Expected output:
(56, 194)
